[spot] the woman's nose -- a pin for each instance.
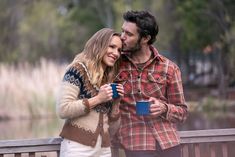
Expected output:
(117, 53)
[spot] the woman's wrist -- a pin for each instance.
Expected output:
(86, 104)
(94, 101)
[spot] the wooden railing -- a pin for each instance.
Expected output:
(209, 143)
(30, 147)
(198, 143)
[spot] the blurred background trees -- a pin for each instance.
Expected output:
(197, 34)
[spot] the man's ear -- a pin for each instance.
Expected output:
(146, 39)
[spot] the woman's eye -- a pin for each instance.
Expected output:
(111, 46)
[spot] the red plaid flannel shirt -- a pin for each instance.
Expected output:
(160, 78)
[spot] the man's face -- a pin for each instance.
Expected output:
(130, 37)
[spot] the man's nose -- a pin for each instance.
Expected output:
(123, 37)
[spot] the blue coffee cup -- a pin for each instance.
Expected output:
(142, 108)
(115, 92)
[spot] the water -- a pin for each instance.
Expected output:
(44, 128)
(212, 120)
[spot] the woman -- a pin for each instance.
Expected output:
(85, 98)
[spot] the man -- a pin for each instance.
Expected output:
(147, 75)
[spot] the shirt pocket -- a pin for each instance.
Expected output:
(155, 85)
(123, 78)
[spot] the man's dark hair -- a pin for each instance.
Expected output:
(146, 23)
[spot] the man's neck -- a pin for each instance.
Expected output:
(142, 55)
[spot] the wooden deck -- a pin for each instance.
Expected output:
(199, 143)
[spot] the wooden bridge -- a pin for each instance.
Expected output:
(198, 143)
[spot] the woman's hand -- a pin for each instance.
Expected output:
(120, 90)
(105, 93)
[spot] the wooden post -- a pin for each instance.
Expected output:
(185, 151)
(17, 154)
(197, 150)
(212, 150)
(32, 154)
(225, 149)
(115, 152)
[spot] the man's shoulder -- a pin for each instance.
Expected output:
(162, 58)
(168, 61)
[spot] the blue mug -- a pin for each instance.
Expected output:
(142, 108)
(115, 92)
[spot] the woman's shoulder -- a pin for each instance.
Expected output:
(77, 67)
(75, 71)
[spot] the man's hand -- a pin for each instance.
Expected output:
(156, 108)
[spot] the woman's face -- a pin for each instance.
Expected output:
(113, 51)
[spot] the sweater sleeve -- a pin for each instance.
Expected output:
(68, 104)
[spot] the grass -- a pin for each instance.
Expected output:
(29, 92)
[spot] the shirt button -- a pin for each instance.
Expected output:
(100, 124)
(139, 91)
(138, 77)
(151, 126)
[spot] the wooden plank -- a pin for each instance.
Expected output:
(197, 150)
(211, 135)
(32, 154)
(30, 142)
(17, 154)
(58, 153)
(212, 150)
(12, 150)
(208, 132)
(115, 152)
(225, 149)
(188, 140)
(185, 150)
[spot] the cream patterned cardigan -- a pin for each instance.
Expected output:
(82, 124)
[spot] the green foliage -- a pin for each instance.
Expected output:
(209, 23)
(48, 29)
(204, 22)
(197, 27)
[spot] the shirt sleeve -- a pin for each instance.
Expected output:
(68, 104)
(177, 110)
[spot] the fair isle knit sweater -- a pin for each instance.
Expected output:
(82, 124)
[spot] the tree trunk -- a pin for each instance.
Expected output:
(222, 81)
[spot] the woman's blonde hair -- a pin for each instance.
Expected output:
(92, 56)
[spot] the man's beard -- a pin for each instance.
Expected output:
(133, 49)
